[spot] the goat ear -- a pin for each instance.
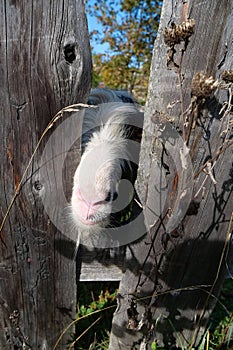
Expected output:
(126, 98)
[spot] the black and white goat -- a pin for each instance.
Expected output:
(108, 157)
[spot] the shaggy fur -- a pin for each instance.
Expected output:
(106, 157)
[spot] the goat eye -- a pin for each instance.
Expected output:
(115, 195)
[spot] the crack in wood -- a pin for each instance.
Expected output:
(19, 108)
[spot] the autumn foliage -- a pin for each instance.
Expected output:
(129, 28)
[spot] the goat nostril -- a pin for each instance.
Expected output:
(108, 198)
(91, 217)
(111, 197)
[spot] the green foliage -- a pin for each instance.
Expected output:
(97, 296)
(130, 28)
(221, 321)
(154, 346)
(223, 334)
(93, 297)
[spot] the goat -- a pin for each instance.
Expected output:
(99, 196)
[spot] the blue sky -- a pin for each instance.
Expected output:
(92, 25)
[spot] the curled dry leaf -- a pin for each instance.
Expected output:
(178, 33)
(227, 76)
(202, 85)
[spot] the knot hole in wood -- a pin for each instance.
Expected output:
(70, 52)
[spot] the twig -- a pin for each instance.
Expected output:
(77, 320)
(180, 78)
(227, 112)
(209, 172)
(151, 247)
(71, 108)
(86, 330)
(210, 293)
(218, 153)
(202, 185)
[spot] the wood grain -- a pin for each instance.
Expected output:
(170, 276)
(45, 65)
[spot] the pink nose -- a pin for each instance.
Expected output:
(85, 209)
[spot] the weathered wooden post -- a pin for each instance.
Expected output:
(45, 65)
(185, 182)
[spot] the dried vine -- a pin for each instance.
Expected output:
(202, 88)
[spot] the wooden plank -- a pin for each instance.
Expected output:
(45, 65)
(96, 272)
(100, 264)
(172, 277)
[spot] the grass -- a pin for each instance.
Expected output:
(92, 297)
(97, 296)
(221, 321)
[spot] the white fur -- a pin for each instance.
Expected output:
(105, 143)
